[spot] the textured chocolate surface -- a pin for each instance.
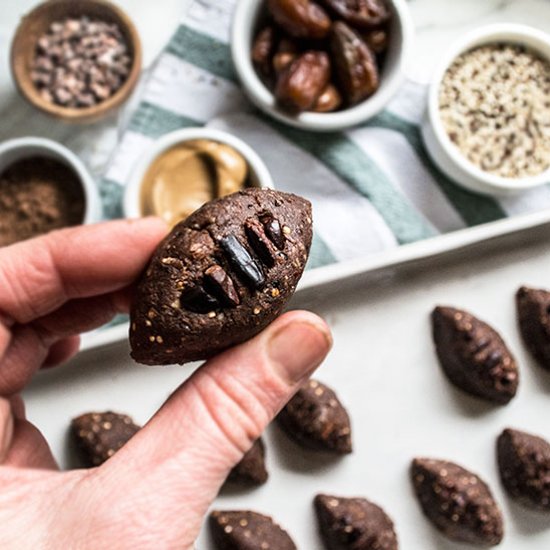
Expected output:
(533, 306)
(457, 502)
(100, 435)
(251, 469)
(247, 531)
(316, 419)
(473, 356)
(524, 464)
(220, 277)
(354, 524)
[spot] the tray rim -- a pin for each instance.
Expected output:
(395, 257)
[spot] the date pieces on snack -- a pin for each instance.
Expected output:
(251, 470)
(303, 82)
(524, 464)
(315, 63)
(247, 531)
(220, 277)
(473, 356)
(100, 435)
(316, 419)
(354, 524)
(80, 62)
(533, 309)
(457, 502)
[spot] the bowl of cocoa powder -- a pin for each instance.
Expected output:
(43, 187)
(77, 61)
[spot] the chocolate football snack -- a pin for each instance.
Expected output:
(457, 502)
(100, 435)
(354, 524)
(533, 306)
(322, 55)
(315, 419)
(247, 531)
(524, 464)
(473, 356)
(220, 277)
(251, 469)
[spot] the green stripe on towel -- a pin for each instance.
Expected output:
(320, 254)
(473, 208)
(154, 121)
(349, 162)
(202, 51)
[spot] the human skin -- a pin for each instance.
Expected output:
(155, 491)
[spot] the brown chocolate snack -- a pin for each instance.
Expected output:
(185, 309)
(251, 469)
(457, 502)
(300, 18)
(524, 464)
(533, 307)
(316, 419)
(354, 524)
(247, 531)
(38, 195)
(100, 435)
(473, 356)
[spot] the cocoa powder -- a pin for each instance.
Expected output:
(38, 195)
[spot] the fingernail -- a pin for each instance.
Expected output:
(6, 428)
(298, 348)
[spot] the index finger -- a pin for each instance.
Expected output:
(40, 275)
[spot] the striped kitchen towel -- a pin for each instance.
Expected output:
(372, 188)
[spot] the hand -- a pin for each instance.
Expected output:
(155, 491)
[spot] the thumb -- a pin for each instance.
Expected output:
(171, 471)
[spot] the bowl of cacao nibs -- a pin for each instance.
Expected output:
(76, 60)
(487, 125)
(321, 65)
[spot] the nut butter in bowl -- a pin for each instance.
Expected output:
(187, 168)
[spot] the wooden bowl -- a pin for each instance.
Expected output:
(38, 21)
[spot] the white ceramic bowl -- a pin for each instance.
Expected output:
(442, 150)
(16, 149)
(245, 21)
(259, 174)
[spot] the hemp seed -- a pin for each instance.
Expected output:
(494, 104)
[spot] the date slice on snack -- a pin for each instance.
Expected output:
(524, 464)
(315, 419)
(100, 435)
(533, 307)
(473, 356)
(220, 277)
(251, 470)
(354, 524)
(245, 530)
(457, 502)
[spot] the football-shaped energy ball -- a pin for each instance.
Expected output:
(220, 277)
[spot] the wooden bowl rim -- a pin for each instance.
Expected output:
(30, 93)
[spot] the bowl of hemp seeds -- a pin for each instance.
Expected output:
(76, 61)
(487, 125)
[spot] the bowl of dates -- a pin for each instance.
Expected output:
(321, 65)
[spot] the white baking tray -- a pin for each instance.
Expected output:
(401, 255)
(383, 368)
